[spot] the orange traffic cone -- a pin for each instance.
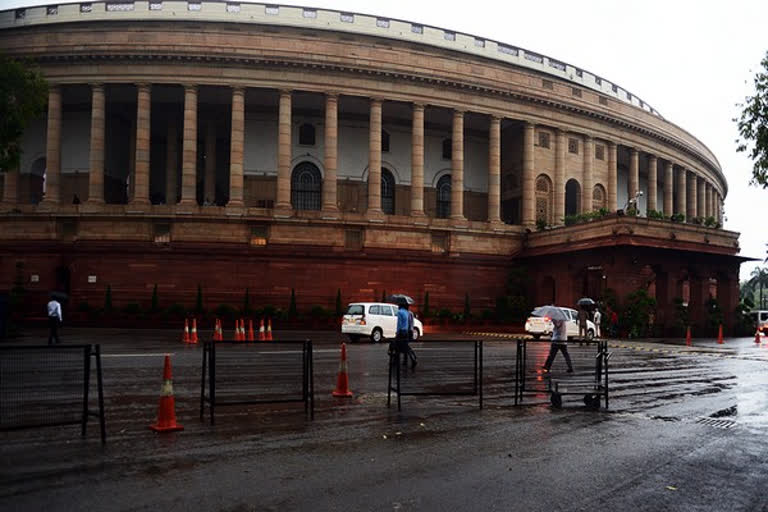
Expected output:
(237, 330)
(217, 330)
(242, 329)
(185, 337)
(688, 336)
(166, 412)
(193, 334)
(720, 335)
(342, 381)
(269, 329)
(757, 336)
(251, 335)
(262, 336)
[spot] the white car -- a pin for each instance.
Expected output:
(377, 320)
(538, 326)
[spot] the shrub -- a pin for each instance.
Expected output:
(541, 224)
(292, 311)
(84, 307)
(487, 314)
(176, 309)
(570, 220)
(677, 217)
(108, 299)
(710, 222)
(639, 310)
(319, 312)
(655, 214)
(132, 309)
(269, 311)
(225, 312)
(444, 313)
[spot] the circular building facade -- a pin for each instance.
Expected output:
(235, 145)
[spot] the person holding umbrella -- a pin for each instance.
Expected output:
(54, 319)
(559, 335)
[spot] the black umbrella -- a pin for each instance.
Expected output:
(400, 298)
(586, 303)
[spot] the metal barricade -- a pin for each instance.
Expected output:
(248, 373)
(49, 385)
(443, 370)
(593, 384)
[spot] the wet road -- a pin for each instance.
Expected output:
(685, 431)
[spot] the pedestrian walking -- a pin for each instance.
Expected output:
(582, 324)
(403, 335)
(54, 319)
(559, 342)
(597, 318)
(614, 323)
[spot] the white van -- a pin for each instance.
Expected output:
(376, 320)
(760, 319)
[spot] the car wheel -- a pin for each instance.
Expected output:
(536, 336)
(354, 338)
(416, 334)
(376, 335)
(590, 335)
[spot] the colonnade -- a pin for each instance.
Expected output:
(694, 197)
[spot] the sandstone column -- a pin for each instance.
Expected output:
(690, 209)
(96, 158)
(171, 163)
(457, 166)
(494, 170)
(682, 187)
(633, 184)
(612, 177)
(209, 180)
(529, 207)
(189, 148)
(559, 182)
(284, 148)
(141, 174)
(237, 141)
(653, 183)
(53, 147)
(331, 152)
(587, 179)
(719, 208)
(707, 200)
(668, 188)
(701, 210)
(374, 158)
(417, 161)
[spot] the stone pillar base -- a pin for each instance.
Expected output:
(375, 216)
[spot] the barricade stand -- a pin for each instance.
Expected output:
(477, 376)
(37, 402)
(209, 372)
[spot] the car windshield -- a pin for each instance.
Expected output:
(355, 309)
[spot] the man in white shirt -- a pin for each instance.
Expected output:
(54, 318)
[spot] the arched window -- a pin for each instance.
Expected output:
(384, 141)
(444, 197)
(307, 135)
(544, 199)
(598, 197)
(306, 187)
(447, 149)
(387, 192)
(572, 197)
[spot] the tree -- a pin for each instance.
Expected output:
(338, 303)
(467, 306)
(199, 301)
(753, 127)
(155, 300)
(425, 309)
(23, 97)
(247, 302)
(108, 299)
(759, 280)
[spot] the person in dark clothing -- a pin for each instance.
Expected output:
(559, 342)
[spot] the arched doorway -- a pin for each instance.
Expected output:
(444, 197)
(387, 192)
(572, 197)
(544, 199)
(306, 187)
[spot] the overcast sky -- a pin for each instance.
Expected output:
(693, 61)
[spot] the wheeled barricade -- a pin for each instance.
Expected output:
(445, 368)
(49, 385)
(254, 373)
(592, 384)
